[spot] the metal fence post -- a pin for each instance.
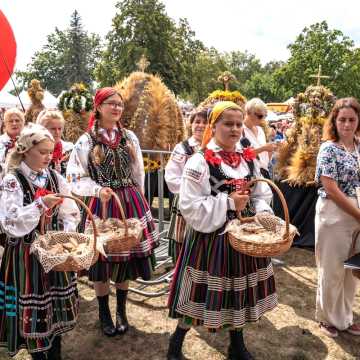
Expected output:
(161, 194)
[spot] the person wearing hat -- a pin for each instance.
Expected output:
(214, 285)
(108, 158)
(33, 315)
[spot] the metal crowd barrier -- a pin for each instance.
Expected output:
(164, 262)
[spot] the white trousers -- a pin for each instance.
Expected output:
(336, 286)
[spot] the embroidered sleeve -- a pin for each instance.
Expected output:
(174, 169)
(77, 174)
(196, 168)
(68, 211)
(137, 166)
(16, 219)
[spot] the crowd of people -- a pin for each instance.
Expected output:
(214, 285)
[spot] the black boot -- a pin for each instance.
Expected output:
(175, 344)
(106, 323)
(237, 349)
(122, 324)
(55, 351)
(39, 355)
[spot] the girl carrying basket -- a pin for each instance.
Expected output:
(108, 158)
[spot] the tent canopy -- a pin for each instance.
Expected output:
(271, 116)
(49, 100)
(7, 100)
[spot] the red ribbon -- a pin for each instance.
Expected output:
(57, 154)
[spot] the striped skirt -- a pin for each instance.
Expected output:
(34, 306)
(139, 261)
(176, 231)
(218, 287)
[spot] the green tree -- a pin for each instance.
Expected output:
(243, 65)
(330, 48)
(209, 65)
(265, 85)
(68, 56)
(143, 27)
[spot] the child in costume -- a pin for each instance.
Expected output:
(35, 307)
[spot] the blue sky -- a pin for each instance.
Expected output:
(263, 28)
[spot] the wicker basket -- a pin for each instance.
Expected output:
(72, 262)
(353, 252)
(123, 239)
(262, 249)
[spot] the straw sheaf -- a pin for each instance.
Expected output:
(151, 111)
(75, 125)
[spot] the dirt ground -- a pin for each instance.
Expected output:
(288, 332)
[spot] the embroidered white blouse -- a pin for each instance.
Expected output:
(18, 220)
(175, 166)
(67, 146)
(203, 211)
(77, 168)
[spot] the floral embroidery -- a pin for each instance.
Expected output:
(11, 185)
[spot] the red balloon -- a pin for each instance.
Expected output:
(7, 50)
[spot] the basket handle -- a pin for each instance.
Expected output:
(80, 202)
(117, 199)
(281, 197)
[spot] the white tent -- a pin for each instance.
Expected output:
(7, 100)
(49, 100)
(271, 116)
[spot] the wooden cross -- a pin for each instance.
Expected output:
(318, 76)
(226, 77)
(143, 63)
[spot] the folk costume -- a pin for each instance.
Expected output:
(35, 307)
(173, 173)
(101, 158)
(214, 285)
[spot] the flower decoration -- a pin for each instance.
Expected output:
(249, 154)
(211, 158)
(77, 99)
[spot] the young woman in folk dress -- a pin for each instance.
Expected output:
(173, 172)
(214, 285)
(35, 307)
(108, 158)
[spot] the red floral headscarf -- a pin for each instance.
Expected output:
(100, 96)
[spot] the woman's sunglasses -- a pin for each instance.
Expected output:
(260, 116)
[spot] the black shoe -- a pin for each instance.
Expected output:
(237, 349)
(55, 351)
(175, 344)
(122, 325)
(39, 356)
(106, 322)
